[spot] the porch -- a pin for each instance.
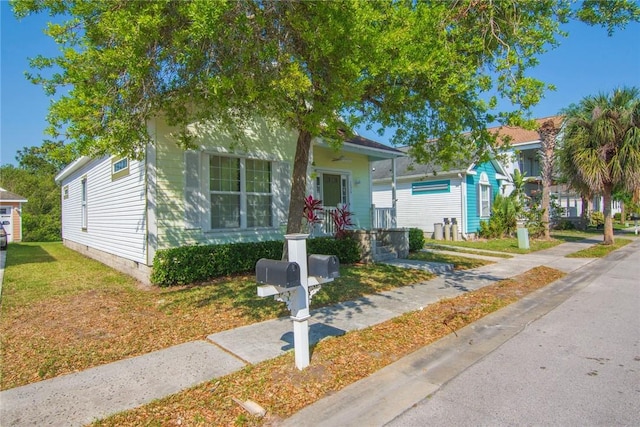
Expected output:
(380, 241)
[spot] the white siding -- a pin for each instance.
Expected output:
(116, 217)
(421, 210)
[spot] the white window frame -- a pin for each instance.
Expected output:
(243, 193)
(484, 196)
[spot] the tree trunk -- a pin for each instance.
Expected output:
(623, 215)
(299, 182)
(548, 132)
(608, 220)
(546, 204)
(298, 186)
(584, 214)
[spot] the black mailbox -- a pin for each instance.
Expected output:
(278, 273)
(326, 266)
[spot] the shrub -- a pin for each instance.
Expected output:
(416, 239)
(564, 224)
(596, 219)
(341, 217)
(503, 221)
(347, 249)
(189, 264)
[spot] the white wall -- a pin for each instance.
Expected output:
(116, 218)
(421, 210)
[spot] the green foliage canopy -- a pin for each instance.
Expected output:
(423, 67)
(431, 69)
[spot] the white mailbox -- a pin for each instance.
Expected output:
(295, 282)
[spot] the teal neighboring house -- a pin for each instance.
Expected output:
(424, 195)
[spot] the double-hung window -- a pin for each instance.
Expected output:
(240, 192)
(484, 196)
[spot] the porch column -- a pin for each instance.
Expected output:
(394, 223)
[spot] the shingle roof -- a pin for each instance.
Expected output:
(522, 136)
(406, 166)
(8, 196)
(359, 140)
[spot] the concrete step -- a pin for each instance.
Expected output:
(384, 253)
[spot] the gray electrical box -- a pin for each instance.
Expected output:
(278, 273)
(326, 266)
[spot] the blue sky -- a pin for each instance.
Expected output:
(586, 63)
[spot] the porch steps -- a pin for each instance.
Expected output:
(385, 253)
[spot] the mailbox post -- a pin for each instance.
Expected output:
(290, 282)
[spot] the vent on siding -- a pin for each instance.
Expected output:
(431, 187)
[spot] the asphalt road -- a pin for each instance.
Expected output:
(577, 365)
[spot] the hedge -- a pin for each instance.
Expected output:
(347, 250)
(190, 264)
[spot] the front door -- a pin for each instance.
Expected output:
(333, 189)
(5, 220)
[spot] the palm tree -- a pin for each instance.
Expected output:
(601, 146)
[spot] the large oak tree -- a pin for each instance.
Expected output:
(432, 70)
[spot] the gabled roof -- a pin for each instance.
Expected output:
(8, 196)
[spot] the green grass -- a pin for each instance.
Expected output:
(508, 245)
(600, 250)
(39, 271)
(467, 250)
(459, 262)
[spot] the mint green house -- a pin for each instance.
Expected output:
(236, 188)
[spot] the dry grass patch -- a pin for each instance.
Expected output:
(336, 362)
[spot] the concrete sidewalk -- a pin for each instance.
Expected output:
(80, 398)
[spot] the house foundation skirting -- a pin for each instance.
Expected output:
(138, 271)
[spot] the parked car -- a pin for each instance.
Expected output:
(3, 238)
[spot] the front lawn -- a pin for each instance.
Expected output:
(62, 312)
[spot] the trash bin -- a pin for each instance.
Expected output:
(523, 238)
(437, 231)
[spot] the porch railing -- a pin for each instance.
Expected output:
(384, 218)
(381, 218)
(328, 227)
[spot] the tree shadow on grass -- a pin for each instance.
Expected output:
(19, 254)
